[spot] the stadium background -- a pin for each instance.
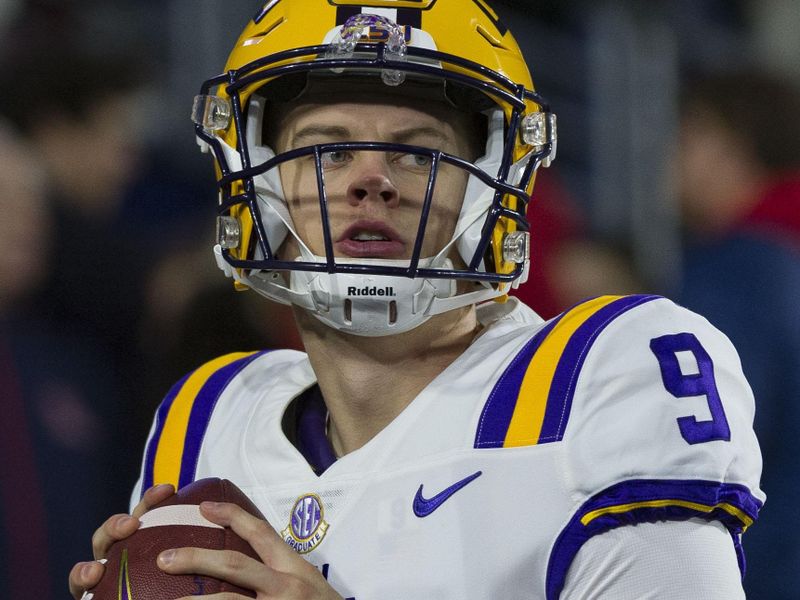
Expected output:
(120, 296)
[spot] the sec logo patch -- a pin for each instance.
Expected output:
(307, 526)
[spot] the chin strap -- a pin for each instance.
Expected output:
(365, 305)
(370, 305)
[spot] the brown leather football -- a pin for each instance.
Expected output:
(131, 571)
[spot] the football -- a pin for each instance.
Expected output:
(131, 571)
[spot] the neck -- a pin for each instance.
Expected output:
(368, 381)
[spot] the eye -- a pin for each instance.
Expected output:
(414, 161)
(337, 158)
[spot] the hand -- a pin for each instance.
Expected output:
(85, 575)
(282, 574)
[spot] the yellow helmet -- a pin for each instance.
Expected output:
(461, 43)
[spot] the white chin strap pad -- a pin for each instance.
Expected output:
(371, 305)
(365, 305)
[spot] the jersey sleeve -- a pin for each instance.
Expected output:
(686, 559)
(656, 421)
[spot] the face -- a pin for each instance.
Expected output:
(93, 157)
(25, 225)
(717, 172)
(375, 199)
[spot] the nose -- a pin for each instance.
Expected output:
(371, 182)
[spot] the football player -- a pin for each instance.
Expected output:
(437, 439)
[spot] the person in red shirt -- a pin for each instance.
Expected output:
(739, 168)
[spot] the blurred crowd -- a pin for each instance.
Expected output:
(109, 294)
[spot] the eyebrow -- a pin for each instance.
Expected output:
(343, 133)
(320, 131)
(406, 135)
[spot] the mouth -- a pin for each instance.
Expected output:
(370, 239)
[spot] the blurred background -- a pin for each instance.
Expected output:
(678, 173)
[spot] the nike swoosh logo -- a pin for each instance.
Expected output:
(423, 507)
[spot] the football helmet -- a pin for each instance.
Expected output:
(459, 46)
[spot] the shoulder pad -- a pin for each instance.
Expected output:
(183, 417)
(661, 395)
(531, 401)
(654, 416)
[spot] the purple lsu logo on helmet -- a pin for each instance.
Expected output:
(381, 35)
(307, 527)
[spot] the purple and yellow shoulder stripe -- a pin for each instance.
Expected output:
(647, 500)
(182, 420)
(531, 402)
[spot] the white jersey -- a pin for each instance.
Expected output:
(540, 436)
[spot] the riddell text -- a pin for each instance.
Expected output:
(369, 291)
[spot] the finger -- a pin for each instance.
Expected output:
(84, 575)
(153, 496)
(121, 526)
(227, 565)
(114, 529)
(258, 533)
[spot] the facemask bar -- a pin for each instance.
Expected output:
(331, 266)
(500, 87)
